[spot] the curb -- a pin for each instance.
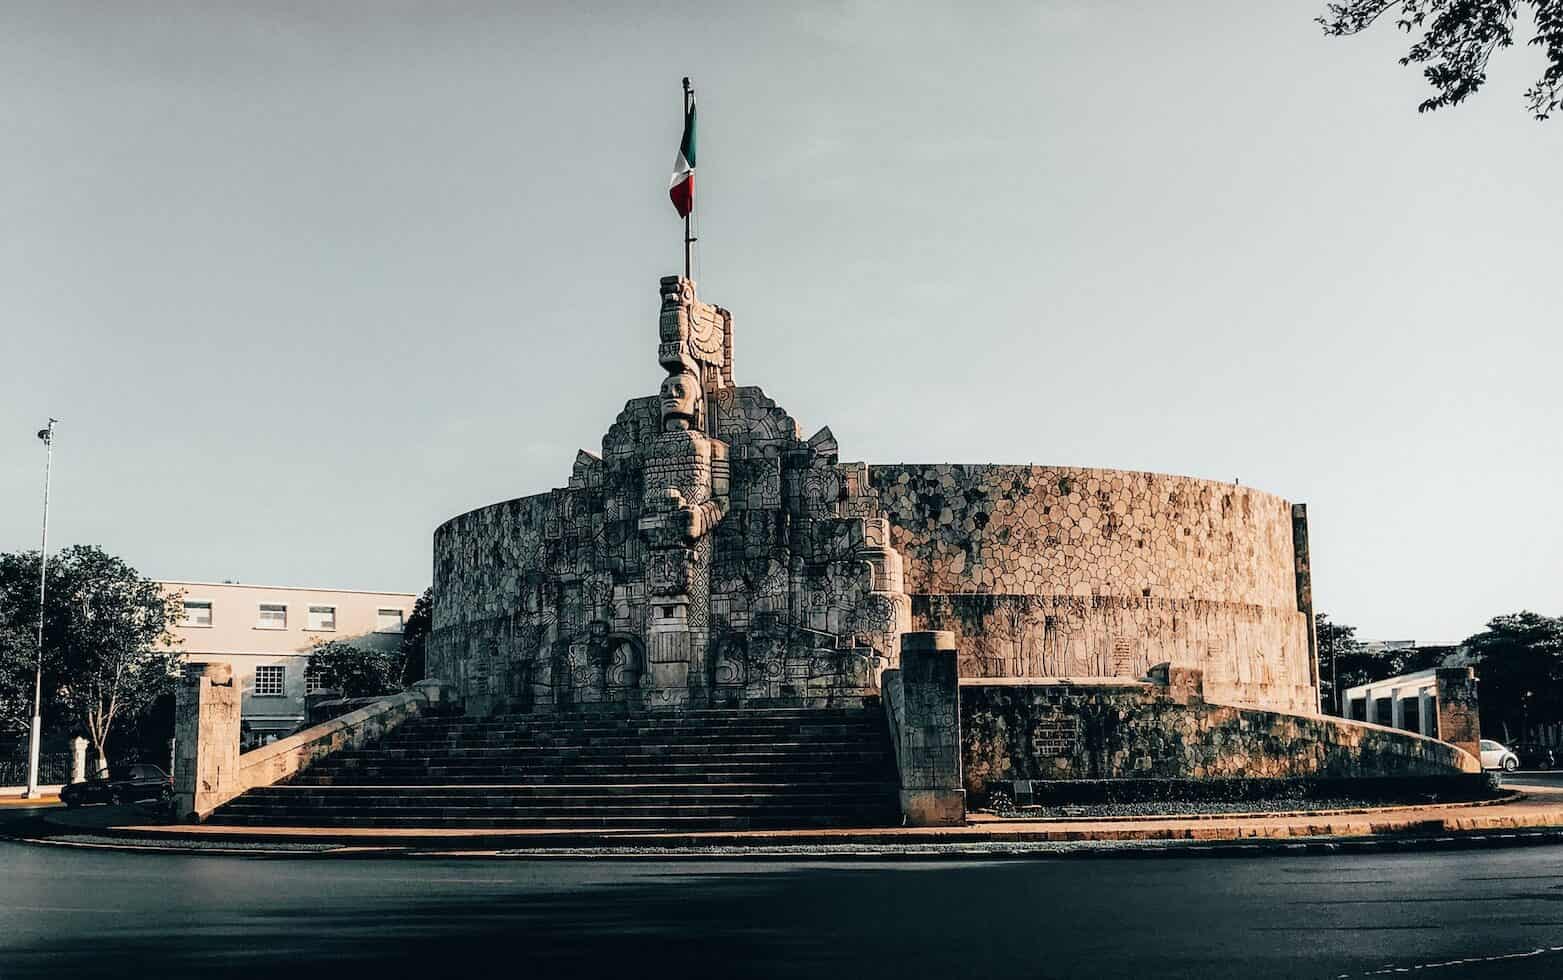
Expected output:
(1505, 797)
(1544, 826)
(1258, 848)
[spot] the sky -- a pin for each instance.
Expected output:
(304, 280)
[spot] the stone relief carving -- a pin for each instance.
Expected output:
(709, 553)
(706, 555)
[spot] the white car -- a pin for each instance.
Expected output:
(1495, 756)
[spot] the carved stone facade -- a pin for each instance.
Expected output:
(712, 555)
(709, 555)
(1060, 572)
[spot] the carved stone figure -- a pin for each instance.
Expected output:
(709, 553)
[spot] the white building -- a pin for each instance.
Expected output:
(266, 633)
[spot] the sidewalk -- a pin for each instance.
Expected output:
(13, 794)
(1536, 809)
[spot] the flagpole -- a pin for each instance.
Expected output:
(689, 241)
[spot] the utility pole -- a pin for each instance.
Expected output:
(31, 793)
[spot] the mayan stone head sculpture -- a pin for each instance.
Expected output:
(682, 401)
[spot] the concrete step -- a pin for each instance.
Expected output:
(661, 770)
(606, 794)
(573, 808)
(778, 731)
(594, 755)
(603, 775)
(708, 769)
(802, 741)
(755, 821)
(647, 721)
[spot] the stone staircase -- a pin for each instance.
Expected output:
(717, 769)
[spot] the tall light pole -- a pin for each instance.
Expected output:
(47, 435)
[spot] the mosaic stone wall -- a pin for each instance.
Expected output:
(710, 554)
(1062, 572)
(1014, 730)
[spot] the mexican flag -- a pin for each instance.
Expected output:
(681, 188)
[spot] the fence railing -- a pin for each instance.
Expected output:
(53, 767)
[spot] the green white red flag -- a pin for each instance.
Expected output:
(681, 188)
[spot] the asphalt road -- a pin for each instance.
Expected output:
(1448, 914)
(71, 912)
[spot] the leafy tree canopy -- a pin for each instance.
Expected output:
(356, 671)
(107, 649)
(415, 637)
(1519, 669)
(1456, 38)
(1345, 661)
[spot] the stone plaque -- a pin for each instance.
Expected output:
(1055, 736)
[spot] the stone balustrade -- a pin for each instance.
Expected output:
(208, 769)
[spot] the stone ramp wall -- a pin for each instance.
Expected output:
(1061, 730)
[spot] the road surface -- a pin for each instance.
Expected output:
(71, 912)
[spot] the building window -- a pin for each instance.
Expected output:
(312, 683)
(272, 617)
(198, 613)
(388, 621)
(271, 682)
(322, 617)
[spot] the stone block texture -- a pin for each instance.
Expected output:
(1459, 711)
(206, 733)
(710, 554)
(1060, 572)
(926, 723)
(1015, 730)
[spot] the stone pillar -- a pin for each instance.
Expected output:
(1397, 709)
(1427, 721)
(931, 790)
(78, 759)
(206, 737)
(1459, 716)
(1304, 580)
(440, 698)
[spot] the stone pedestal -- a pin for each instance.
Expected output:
(1459, 715)
(930, 756)
(206, 735)
(78, 759)
(439, 697)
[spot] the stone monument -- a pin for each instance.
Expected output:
(709, 554)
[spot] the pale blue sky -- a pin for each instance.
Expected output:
(305, 279)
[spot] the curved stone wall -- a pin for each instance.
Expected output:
(711, 554)
(1047, 731)
(1066, 572)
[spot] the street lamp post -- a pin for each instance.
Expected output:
(47, 435)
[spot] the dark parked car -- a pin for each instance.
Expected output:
(121, 784)
(1533, 756)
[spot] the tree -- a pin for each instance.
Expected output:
(108, 652)
(356, 671)
(1519, 666)
(1458, 37)
(1346, 662)
(18, 659)
(1343, 660)
(415, 638)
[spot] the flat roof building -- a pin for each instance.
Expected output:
(266, 633)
